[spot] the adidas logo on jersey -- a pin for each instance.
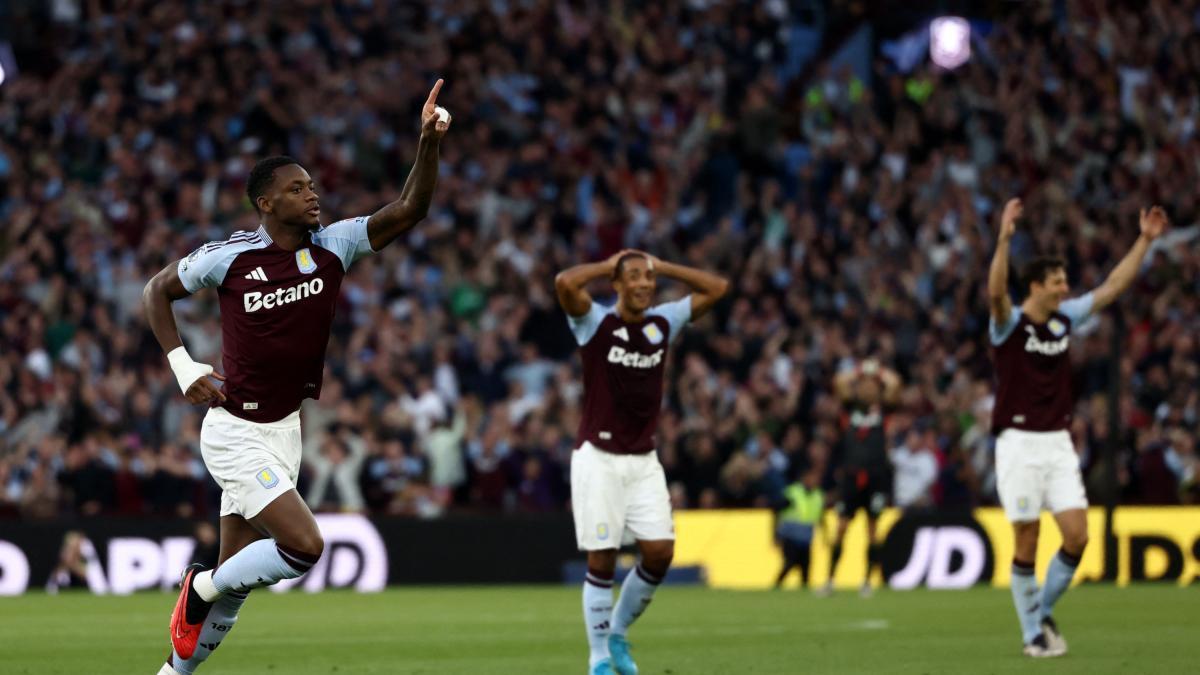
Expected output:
(619, 356)
(1049, 348)
(257, 274)
(255, 301)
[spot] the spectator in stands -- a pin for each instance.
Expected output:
(916, 473)
(88, 481)
(444, 449)
(335, 472)
(851, 209)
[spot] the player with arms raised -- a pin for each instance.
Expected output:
(278, 287)
(1036, 465)
(618, 489)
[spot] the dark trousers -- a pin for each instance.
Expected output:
(795, 554)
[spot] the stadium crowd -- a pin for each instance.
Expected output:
(854, 217)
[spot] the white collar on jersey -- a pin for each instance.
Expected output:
(262, 232)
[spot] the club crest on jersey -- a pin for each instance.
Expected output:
(652, 333)
(267, 478)
(1057, 327)
(305, 262)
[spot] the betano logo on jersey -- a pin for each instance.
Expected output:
(255, 300)
(1049, 348)
(622, 357)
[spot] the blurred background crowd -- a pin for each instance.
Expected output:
(854, 211)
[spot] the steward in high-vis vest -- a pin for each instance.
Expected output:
(797, 523)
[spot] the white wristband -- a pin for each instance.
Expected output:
(186, 370)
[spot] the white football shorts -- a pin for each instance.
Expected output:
(1037, 470)
(253, 462)
(618, 499)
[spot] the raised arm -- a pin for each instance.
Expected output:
(571, 284)
(1000, 303)
(165, 288)
(1152, 223)
(707, 288)
(401, 215)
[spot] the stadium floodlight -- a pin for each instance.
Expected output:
(949, 41)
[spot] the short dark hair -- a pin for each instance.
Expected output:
(1038, 269)
(620, 268)
(262, 175)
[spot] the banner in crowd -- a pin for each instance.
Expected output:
(725, 549)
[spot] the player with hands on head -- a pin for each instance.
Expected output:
(867, 393)
(618, 488)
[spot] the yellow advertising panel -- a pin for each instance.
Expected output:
(737, 550)
(1155, 542)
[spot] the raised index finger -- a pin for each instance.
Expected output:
(433, 93)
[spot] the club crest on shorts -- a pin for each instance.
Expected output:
(1023, 504)
(305, 262)
(1057, 327)
(602, 531)
(267, 478)
(652, 333)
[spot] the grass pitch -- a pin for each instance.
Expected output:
(687, 631)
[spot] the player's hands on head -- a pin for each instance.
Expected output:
(1153, 222)
(204, 391)
(613, 259)
(652, 261)
(435, 120)
(1013, 210)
